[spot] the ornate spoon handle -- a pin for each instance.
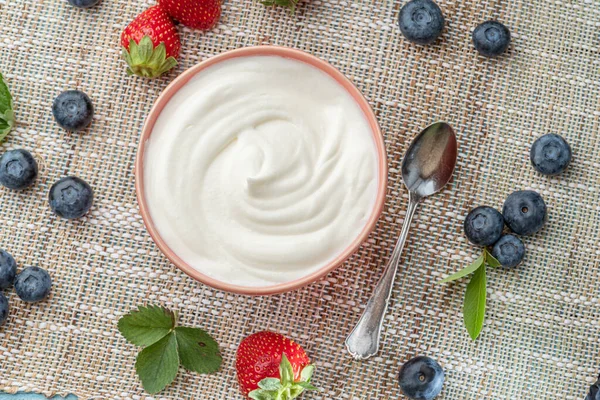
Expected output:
(363, 341)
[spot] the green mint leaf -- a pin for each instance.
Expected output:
(147, 325)
(306, 386)
(491, 260)
(7, 117)
(474, 305)
(157, 365)
(198, 351)
(474, 266)
(307, 373)
(286, 372)
(270, 384)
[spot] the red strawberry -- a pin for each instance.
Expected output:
(150, 43)
(271, 366)
(197, 14)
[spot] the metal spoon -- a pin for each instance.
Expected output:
(427, 167)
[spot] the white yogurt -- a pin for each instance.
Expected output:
(260, 170)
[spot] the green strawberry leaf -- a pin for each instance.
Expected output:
(198, 351)
(286, 371)
(157, 364)
(147, 325)
(291, 4)
(490, 259)
(261, 394)
(307, 373)
(7, 116)
(474, 305)
(270, 384)
(166, 346)
(474, 266)
(5, 97)
(306, 386)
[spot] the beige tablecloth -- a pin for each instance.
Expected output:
(542, 331)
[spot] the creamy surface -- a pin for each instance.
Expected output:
(260, 170)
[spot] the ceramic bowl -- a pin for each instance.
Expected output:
(298, 55)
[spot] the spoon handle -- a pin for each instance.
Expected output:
(363, 341)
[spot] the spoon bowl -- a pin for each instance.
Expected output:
(430, 160)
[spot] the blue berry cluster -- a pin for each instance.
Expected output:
(524, 213)
(70, 197)
(422, 22)
(32, 284)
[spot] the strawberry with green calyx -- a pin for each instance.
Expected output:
(291, 4)
(150, 43)
(272, 367)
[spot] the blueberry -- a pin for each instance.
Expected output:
(18, 169)
(491, 38)
(8, 269)
(594, 393)
(84, 3)
(524, 212)
(483, 226)
(71, 197)
(421, 378)
(73, 110)
(3, 308)
(509, 251)
(33, 284)
(421, 21)
(550, 154)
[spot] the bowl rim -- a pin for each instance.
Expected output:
(262, 50)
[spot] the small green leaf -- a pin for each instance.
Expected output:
(306, 386)
(167, 65)
(5, 96)
(291, 4)
(198, 351)
(7, 116)
(147, 325)
(125, 55)
(270, 384)
(286, 372)
(261, 394)
(474, 305)
(307, 373)
(158, 55)
(157, 364)
(145, 48)
(474, 266)
(491, 260)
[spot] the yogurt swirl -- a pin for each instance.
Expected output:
(260, 170)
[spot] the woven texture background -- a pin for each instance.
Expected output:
(542, 333)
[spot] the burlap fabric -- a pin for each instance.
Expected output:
(542, 332)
